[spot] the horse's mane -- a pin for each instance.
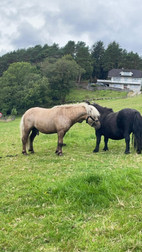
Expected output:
(84, 104)
(91, 110)
(102, 110)
(73, 105)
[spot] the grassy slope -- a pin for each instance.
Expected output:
(78, 202)
(78, 95)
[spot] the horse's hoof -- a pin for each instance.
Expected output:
(105, 149)
(31, 151)
(138, 152)
(60, 154)
(95, 151)
(24, 153)
(127, 152)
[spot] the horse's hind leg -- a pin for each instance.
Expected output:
(24, 142)
(137, 144)
(127, 141)
(31, 139)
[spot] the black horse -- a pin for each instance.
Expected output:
(119, 125)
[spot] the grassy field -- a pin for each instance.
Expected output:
(81, 201)
(79, 94)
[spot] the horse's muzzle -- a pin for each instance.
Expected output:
(93, 122)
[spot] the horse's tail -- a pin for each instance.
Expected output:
(22, 129)
(137, 131)
(22, 126)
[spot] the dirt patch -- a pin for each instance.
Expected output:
(7, 119)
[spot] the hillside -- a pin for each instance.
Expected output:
(80, 94)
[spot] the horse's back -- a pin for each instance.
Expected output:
(39, 118)
(109, 127)
(47, 121)
(36, 110)
(125, 118)
(116, 124)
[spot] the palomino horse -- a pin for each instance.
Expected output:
(58, 120)
(119, 125)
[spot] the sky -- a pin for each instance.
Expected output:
(25, 23)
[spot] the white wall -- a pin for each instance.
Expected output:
(135, 88)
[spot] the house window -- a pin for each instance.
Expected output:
(125, 86)
(126, 73)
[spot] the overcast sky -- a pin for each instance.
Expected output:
(25, 23)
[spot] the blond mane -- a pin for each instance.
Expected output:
(91, 110)
(71, 105)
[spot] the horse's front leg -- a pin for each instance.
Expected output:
(127, 141)
(98, 140)
(106, 142)
(60, 143)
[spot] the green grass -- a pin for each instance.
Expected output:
(77, 95)
(82, 201)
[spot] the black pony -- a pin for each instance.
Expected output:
(119, 125)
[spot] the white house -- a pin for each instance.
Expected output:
(130, 79)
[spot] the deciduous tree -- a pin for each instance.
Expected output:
(61, 75)
(22, 87)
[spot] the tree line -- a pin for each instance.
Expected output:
(43, 76)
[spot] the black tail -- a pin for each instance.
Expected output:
(137, 131)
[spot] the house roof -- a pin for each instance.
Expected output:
(125, 72)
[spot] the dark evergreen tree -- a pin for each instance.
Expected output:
(97, 55)
(69, 48)
(131, 61)
(112, 57)
(83, 59)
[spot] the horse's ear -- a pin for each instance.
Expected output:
(87, 102)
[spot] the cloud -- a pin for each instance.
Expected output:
(28, 23)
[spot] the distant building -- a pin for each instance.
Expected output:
(130, 79)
